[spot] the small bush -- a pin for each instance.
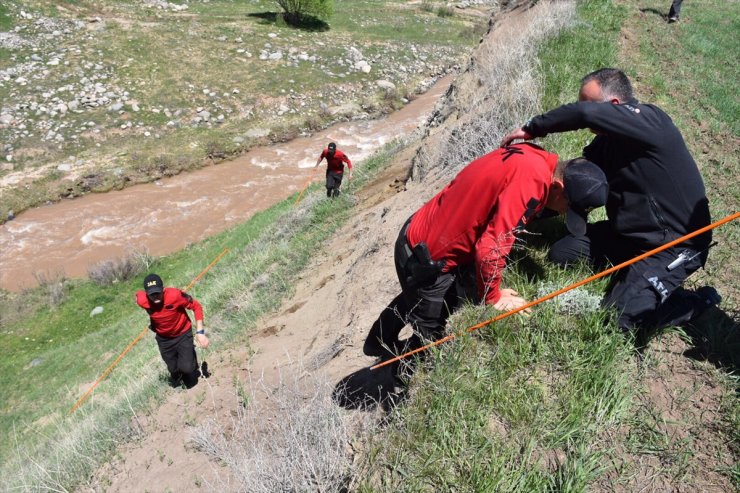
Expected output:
(120, 269)
(445, 11)
(427, 6)
(53, 286)
(297, 12)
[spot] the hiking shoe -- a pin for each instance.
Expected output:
(372, 348)
(376, 348)
(710, 296)
(176, 380)
(672, 19)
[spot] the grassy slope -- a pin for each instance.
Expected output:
(554, 402)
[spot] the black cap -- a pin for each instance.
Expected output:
(153, 284)
(332, 146)
(586, 188)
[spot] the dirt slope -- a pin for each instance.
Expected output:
(324, 325)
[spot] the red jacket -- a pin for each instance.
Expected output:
(169, 319)
(474, 219)
(336, 163)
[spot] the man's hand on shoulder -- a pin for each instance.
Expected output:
(518, 134)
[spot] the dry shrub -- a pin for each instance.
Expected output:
(293, 438)
(501, 90)
(445, 11)
(574, 302)
(427, 6)
(314, 123)
(53, 285)
(120, 269)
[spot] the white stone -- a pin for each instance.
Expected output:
(385, 84)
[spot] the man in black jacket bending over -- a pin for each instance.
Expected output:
(656, 195)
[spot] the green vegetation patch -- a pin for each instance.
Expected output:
(6, 21)
(516, 407)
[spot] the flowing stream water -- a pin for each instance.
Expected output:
(162, 217)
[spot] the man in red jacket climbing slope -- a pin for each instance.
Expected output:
(172, 326)
(335, 160)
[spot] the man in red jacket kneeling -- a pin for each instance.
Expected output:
(471, 225)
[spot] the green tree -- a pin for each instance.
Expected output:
(297, 12)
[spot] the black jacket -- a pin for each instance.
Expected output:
(656, 193)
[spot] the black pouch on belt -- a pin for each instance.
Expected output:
(423, 269)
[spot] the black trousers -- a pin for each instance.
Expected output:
(646, 294)
(178, 354)
(333, 182)
(426, 305)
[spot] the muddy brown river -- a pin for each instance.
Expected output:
(165, 216)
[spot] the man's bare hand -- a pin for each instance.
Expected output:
(518, 134)
(202, 340)
(510, 300)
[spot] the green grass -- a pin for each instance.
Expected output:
(550, 402)
(565, 60)
(543, 403)
(74, 348)
(6, 21)
(520, 406)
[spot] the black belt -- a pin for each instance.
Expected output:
(406, 247)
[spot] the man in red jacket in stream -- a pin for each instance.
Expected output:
(335, 160)
(471, 225)
(172, 326)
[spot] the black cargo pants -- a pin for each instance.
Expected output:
(333, 182)
(425, 304)
(646, 294)
(179, 355)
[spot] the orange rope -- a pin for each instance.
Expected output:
(203, 272)
(308, 182)
(606, 272)
(137, 339)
